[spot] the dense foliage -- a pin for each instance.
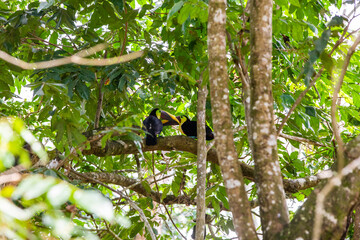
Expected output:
(307, 39)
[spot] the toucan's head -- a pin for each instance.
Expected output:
(184, 119)
(156, 113)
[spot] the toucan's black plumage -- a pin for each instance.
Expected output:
(189, 128)
(154, 123)
(153, 126)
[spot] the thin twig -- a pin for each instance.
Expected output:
(172, 221)
(74, 45)
(301, 139)
(99, 105)
(47, 42)
(340, 143)
(131, 203)
(126, 30)
(157, 188)
(110, 231)
(312, 83)
(100, 99)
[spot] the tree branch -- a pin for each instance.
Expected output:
(187, 144)
(341, 195)
(301, 139)
(339, 141)
(136, 186)
(131, 203)
(78, 58)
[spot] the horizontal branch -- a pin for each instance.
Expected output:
(116, 179)
(187, 144)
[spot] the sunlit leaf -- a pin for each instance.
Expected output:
(94, 202)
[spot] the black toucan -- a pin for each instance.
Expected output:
(154, 123)
(189, 128)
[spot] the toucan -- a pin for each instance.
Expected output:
(189, 128)
(154, 123)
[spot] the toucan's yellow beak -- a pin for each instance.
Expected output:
(168, 119)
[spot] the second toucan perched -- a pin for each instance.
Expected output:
(189, 128)
(154, 123)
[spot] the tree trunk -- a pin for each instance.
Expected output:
(219, 90)
(201, 161)
(273, 208)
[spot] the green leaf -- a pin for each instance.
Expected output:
(118, 4)
(311, 111)
(59, 126)
(45, 5)
(146, 185)
(78, 136)
(147, 37)
(105, 138)
(82, 90)
(353, 113)
(312, 27)
(44, 113)
(33, 187)
(94, 202)
(339, 3)
(54, 37)
(184, 13)
(87, 75)
(216, 205)
(327, 61)
(356, 99)
(287, 99)
(59, 194)
(297, 32)
(165, 192)
(175, 186)
(138, 226)
(221, 195)
(321, 43)
(6, 77)
(295, 3)
(174, 9)
(335, 21)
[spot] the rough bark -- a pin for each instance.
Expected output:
(201, 162)
(339, 202)
(273, 208)
(356, 235)
(224, 142)
(187, 144)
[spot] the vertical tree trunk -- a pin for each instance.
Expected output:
(273, 208)
(219, 90)
(201, 161)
